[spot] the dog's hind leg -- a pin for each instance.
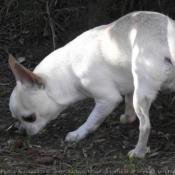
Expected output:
(145, 92)
(130, 114)
(142, 106)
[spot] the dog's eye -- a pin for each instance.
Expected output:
(30, 118)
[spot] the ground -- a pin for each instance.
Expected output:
(103, 152)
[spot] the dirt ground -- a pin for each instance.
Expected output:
(103, 152)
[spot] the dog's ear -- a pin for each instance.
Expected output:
(22, 74)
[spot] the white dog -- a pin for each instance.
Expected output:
(133, 56)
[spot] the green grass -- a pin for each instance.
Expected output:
(132, 165)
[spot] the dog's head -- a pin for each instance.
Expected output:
(29, 101)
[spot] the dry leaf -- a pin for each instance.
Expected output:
(15, 144)
(32, 151)
(43, 160)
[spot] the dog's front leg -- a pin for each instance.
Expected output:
(102, 109)
(130, 114)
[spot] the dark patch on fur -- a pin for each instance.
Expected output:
(167, 59)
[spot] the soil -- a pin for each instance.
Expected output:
(103, 152)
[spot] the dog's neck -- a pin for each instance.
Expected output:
(60, 82)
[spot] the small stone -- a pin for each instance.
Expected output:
(153, 132)
(160, 133)
(43, 160)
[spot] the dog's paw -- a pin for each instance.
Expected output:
(123, 118)
(127, 119)
(139, 153)
(73, 137)
(77, 135)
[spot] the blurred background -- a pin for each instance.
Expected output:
(26, 25)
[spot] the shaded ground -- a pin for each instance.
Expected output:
(103, 152)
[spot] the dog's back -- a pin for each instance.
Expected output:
(107, 52)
